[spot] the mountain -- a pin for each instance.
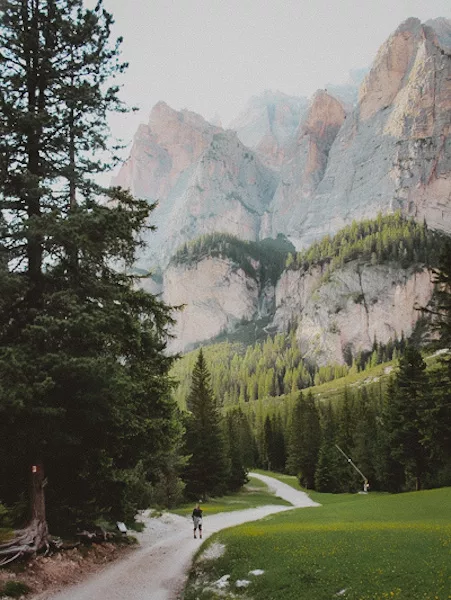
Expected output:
(301, 169)
(393, 151)
(268, 124)
(203, 178)
(305, 165)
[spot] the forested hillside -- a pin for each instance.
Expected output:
(274, 366)
(360, 412)
(264, 259)
(388, 408)
(389, 238)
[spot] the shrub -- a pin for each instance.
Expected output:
(15, 589)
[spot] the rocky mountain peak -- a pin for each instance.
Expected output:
(170, 142)
(441, 28)
(269, 123)
(166, 122)
(389, 69)
(305, 166)
(325, 112)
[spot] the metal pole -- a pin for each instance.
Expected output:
(351, 463)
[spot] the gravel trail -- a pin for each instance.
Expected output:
(158, 570)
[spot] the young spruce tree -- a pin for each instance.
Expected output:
(207, 471)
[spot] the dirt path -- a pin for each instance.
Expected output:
(157, 571)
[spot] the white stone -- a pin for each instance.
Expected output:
(241, 583)
(222, 582)
(256, 572)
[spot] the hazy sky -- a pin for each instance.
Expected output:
(211, 56)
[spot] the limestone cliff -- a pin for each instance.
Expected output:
(345, 313)
(394, 151)
(217, 295)
(203, 178)
(169, 143)
(304, 168)
(355, 306)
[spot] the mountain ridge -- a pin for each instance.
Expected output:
(309, 169)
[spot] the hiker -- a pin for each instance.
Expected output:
(197, 520)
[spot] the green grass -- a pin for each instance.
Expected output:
(15, 589)
(321, 498)
(374, 546)
(5, 535)
(254, 493)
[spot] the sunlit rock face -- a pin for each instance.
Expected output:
(202, 177)
(216, 295)
(162, 150)
(394, 150)
(358, 304)
(304, 168)
(344, 313)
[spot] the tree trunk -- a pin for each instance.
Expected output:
(36, 535)
(38, 519)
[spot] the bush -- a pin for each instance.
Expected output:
(15, 589)
(5, 517)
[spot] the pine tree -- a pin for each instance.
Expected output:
(269, 444)
(304, 440)
(365, 436)
(234, 433)
(348, 477)
(407, 402)
(207, 471)
(327, 471)
(437, 418)
(84, 386)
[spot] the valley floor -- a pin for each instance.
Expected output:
(158, 569)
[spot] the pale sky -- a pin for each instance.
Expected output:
(211, 56)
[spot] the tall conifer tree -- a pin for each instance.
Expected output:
(408, 399)
(84, 386)
(437, 419)
(304, 441)
(206, 473)
(326, 473)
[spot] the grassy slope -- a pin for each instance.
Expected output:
(255, 493)
(372, 377)
(373, 547)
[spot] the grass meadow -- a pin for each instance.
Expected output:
(254, 493)
(355, 546)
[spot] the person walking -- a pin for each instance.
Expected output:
(197, 520)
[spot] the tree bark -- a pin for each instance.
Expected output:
(36, 535)
(38, 519)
